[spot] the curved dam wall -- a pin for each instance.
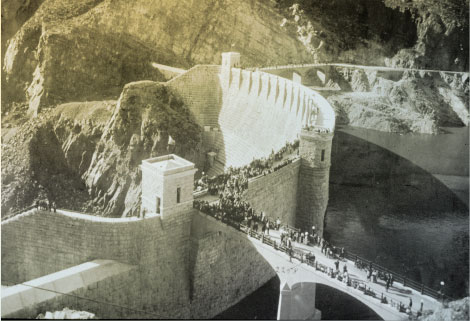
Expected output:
(253, 112)
(200, 90)
(261, 112)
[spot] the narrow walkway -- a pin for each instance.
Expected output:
(295, 272)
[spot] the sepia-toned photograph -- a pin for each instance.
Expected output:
(235, 159)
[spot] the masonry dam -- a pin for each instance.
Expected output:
(176, 262)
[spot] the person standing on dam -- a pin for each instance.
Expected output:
(289, 248)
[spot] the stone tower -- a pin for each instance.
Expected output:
(314, 175)
(167, 185)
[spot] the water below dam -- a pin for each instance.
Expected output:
(402, 201)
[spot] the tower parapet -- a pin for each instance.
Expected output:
(167, 185)
(314, 174)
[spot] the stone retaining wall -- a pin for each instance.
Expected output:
(38, 243)
(276, 193)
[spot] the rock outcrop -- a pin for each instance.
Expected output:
(14, 15)
(431, 34)
(86, 156)
(442, 35)
(456, 310)
(146, 115)
(420, 102)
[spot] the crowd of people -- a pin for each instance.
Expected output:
(237, 178)
(235, 211)
(232, 209)
(295, 235)
(230, 186)
(290, 235)
(45, 205)
(375, 274)
(260, 223)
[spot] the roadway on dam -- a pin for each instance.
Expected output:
(293, 271)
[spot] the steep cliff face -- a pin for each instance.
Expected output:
(439, 46)
(442, 35)
(44, 156)
(430, 34)
(356, 31)
(14, 15)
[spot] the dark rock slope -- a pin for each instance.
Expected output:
(431, 34)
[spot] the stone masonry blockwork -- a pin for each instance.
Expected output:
(276, 193)
(40, 243)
